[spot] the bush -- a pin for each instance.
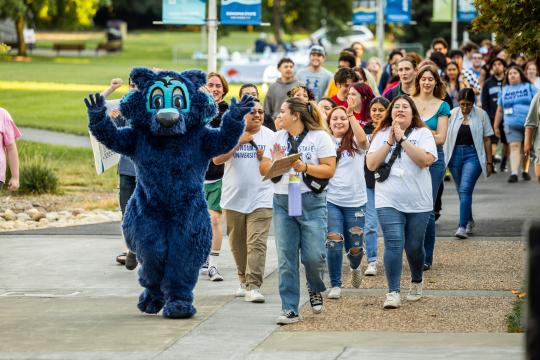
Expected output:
(514, 320)
(37, 177)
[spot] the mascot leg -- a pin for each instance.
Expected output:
(150, 236)
(186, 255)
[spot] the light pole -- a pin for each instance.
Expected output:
(212, 24)
(380, 29)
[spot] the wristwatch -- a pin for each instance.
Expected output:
(403, 138)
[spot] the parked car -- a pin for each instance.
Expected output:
(359, 33)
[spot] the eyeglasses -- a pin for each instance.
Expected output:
(466, 104)
(260, 112)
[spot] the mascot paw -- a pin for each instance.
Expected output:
(95, 103)
(239, 109)
(178, 309)
(149, 303)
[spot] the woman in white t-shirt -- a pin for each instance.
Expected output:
(247, 203)
(404, 200)
(303, 234)
(346, 198)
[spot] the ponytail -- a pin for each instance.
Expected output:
(309, 113)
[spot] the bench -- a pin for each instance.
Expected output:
(111, 46)
(15, 46)
(71, 47)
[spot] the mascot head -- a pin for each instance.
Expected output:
(167, 103)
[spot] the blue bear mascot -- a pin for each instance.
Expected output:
(166, 221)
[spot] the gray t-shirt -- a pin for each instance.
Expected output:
(317, 81)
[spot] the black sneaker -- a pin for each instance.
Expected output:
(525, 176)
(288, 317)
(316, 302)
(513, 179)
(131, 260)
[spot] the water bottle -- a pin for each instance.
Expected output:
(295, 196)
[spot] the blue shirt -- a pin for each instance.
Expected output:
(443, 110)
(515, 101)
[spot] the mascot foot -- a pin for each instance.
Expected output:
(150, 304)
(178, 309)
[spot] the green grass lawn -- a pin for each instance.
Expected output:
(73, 166)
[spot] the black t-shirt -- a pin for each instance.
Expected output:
(490, 95)
(464, 135)
(215, 172)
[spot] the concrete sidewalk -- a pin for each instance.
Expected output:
(62, 297)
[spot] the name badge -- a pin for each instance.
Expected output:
(508, 111)
(494, 90)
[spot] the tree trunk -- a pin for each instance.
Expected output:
(277, 20)
(19, 25)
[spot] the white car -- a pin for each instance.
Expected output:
(359, 33)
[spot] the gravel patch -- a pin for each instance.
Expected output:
(461, 264)
(429, 314)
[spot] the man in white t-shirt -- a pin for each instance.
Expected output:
(247, 204)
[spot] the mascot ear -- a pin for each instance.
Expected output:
(141, 76)
(197, 77)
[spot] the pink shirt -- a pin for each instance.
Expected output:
(9, 133)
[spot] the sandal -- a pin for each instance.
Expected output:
(121, 258)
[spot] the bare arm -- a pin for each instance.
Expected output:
(359, 133)
(325, 169)
(13, 160)
(489, 155)
(115, 84)
(442, 129)
(527, 146)
(498, 120)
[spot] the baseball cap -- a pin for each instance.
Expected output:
(317, 49)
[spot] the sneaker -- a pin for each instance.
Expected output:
(525, 176)
(287, 317)
(204, 267)
(214, 274)
(426, 267)
(254, 296)
(131, 260)
(470, 227)
(356, 277)
(241, 291)
(513, 178)
(371, 269)
(393, 300)
(461, 233)
(334, 293)
(415, 292)
(316, 302)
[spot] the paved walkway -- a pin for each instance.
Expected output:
(62, 297)
(55, 137)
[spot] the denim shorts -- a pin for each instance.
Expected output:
(514, 133)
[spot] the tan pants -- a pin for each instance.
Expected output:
(247, 239)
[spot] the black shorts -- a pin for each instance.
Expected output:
(495, 139)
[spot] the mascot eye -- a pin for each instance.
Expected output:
(178, 100)
(157, 99)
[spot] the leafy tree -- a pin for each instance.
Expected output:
(15, 9)
(515, 23)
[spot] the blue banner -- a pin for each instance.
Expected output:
(466, 10)
(184, 12)
(398, 11)
(364, 12)
(240, 12)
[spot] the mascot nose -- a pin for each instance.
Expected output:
(167, 118)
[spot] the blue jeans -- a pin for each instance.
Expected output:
(372, 226)
(305, 234)
(402, 231)
(348, 223)
(466, 169)
(437, 170)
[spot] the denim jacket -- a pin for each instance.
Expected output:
(480, 127)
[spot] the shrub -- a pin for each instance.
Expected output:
(514, 320)
(37, 177)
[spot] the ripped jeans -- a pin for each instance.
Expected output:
(345, 228)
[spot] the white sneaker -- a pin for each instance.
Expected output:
(288, 317)
(254, 296)
(241, 291)
(371, 269)
(393, 300)
(470, 227)
(356, 277)
(214, 274)
(334, 293)
(415, 292)
(461, 233)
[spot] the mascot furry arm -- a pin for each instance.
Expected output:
(166, 221)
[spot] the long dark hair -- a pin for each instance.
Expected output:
(416, 121)
(308, 112)
(440, 89)
(347, 141)
(522, 75)
(447, 79)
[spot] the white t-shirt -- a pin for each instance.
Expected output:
(243, 189)
(408, 188)
(316, 145)
(347, 187)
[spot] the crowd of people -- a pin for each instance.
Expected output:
(375, 142)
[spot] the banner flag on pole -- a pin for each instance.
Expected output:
(398, 11)
(184, 12)
(364, 12)
(240, 12)
(466, 10)
(442, 11)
